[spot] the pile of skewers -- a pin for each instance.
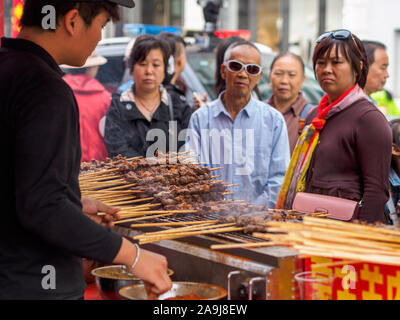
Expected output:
(336, 239)
(251, 219)
(152, 187)
(172, 185)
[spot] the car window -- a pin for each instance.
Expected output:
(111, 74)
(203, 65)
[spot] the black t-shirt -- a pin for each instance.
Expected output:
(43, 230)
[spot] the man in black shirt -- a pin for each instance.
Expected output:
(44, 230)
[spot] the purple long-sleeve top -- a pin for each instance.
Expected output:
(352, 159)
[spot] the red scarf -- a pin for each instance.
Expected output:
(324, 108)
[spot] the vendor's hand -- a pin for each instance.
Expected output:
(152, 268)
(93, 207)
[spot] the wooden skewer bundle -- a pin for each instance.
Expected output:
(337, 239)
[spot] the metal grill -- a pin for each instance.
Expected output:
(228, 236)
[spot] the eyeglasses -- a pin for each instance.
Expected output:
(237, 66)
(342, 34)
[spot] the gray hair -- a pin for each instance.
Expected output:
(228, 52)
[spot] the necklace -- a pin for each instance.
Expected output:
(151, 111)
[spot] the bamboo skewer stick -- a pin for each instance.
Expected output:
(214, 169)
(100, 172)
(130, 201)
(148, 213)
(137, 209)
(99, 179)
(246, 245)
(135, 158)
(167, 224)
(145, 218)
(336, 239)
(182, 230)
(352, 226)
(335, 264)
(200, 164)
(112, 192)
(113, 197)
(104, 183)
(366, 236)
(140, 207)
(121, 187)
(189, 234)
(161, 212)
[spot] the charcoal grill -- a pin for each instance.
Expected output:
(259, 273)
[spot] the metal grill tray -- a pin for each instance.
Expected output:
(235, 236)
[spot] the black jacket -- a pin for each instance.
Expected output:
(129, 133)
(42, 220)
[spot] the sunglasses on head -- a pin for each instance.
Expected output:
(237, 66)
(342, 34)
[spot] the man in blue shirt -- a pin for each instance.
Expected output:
(247, 137)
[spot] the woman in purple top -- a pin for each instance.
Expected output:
(350, 150)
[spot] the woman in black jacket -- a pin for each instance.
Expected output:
(146, 118)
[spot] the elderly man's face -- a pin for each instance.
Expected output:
(378, 71)
(241, 84)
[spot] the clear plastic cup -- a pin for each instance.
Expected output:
(315, 285)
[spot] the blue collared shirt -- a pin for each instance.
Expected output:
(394, 192)
(253, 149)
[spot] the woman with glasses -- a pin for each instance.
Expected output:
(346, 151)
(287, 76)
(146, 118)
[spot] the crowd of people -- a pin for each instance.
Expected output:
(254, 140)
(268, 150)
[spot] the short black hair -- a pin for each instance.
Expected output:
(289, 54)
(395, 125)
(370, 48)
(352, 50)
(173, 41)
(32, 15)
(143, 45)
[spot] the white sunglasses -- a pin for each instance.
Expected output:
(237, 66)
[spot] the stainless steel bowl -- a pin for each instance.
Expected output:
(209, 292)
(110, 279)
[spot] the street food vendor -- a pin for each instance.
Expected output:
(45, 233)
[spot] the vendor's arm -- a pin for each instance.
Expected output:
(374, 149)
(46, 185)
